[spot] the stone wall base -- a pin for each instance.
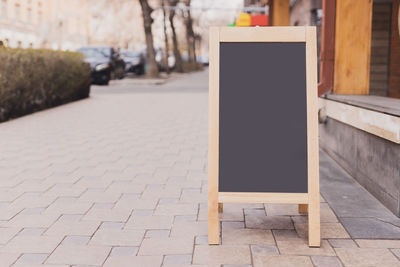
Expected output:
(373, 161)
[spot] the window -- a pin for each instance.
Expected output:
(39, 17)
(40, 13)
(29, 15)
(17, 12)
(4, 8)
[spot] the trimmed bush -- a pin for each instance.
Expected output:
(33, 80)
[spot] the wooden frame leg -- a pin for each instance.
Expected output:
(213, 147)
(220, 207)
(314, 228)
(213, 222)
(303, 208)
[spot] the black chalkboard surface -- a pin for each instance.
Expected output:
(262, 117)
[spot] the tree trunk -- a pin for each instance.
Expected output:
(152, 69)
(165, 37)
(177, 54)
(190, 37)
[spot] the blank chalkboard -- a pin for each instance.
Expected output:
(262, 117)
(263, 121)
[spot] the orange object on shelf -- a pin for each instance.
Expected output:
(259, 20)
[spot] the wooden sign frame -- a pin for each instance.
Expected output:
(308, 202)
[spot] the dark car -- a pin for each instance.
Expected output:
(105, 63)
(134, 61)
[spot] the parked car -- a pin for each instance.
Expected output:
(134, 61)
(171, 61)
(105, 63)
(160, 59)
(203, 60)
(200, 59)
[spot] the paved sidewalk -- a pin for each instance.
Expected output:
(120, 179)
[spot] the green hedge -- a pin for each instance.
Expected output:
(32, 80)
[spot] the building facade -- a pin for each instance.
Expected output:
(55, 24)
(21, 22)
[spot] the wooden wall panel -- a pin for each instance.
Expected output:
(394, 78)
(281, 13)
(327, 47)
(352, 46)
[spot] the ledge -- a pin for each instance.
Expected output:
(376, 115)
(382, 104)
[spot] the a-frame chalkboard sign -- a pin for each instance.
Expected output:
(263, 122)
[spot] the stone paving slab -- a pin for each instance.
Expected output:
(358, 211)
(120, 179)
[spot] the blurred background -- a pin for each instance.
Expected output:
(178, 31)
(71, 24)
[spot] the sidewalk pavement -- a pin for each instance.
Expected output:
(135, 80)
(120, 179)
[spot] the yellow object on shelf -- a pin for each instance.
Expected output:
(244, 20)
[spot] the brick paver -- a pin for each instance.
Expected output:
(120, 179)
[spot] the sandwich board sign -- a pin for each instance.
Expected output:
(263, 122)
